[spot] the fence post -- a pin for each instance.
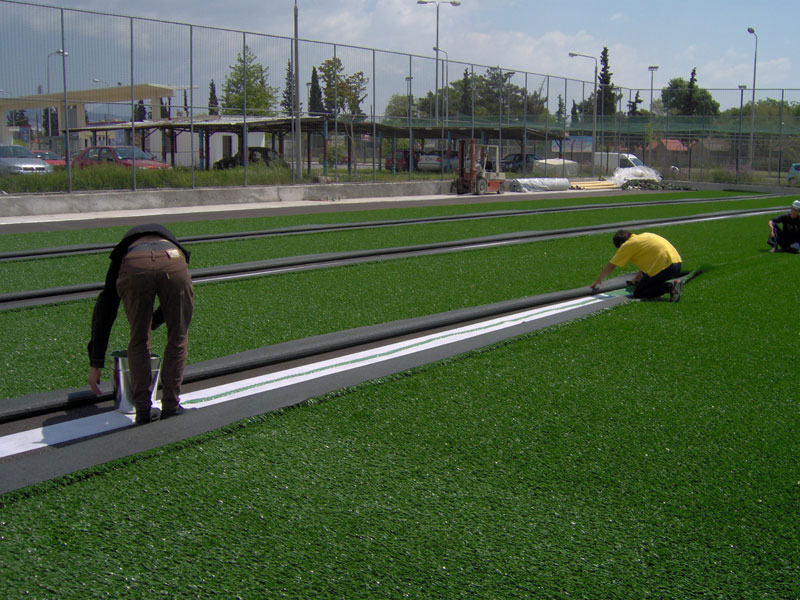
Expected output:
(133, 117)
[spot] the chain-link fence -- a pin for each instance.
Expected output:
(195, 97)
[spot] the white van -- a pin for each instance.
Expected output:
(608, 162)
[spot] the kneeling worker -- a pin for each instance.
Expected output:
(658, 263)
(787, 236)
(148, 262)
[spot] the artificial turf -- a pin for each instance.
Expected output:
(71, 270)
(240, 315)
(649, 451)
(50, 239)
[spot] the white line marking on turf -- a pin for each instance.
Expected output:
(49, 435)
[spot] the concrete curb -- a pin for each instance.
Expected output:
(102, 201)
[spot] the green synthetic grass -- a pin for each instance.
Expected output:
(71, 270)
(50, 239)
(649, 451)
(240, 315)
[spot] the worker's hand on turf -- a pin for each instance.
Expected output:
(94, 380)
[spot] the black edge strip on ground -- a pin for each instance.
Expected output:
(305, 229)
(11, 300)
(45, 402)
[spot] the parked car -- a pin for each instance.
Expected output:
(793, 176)
(18, 160)
(513, 162)
(431, 160)
(400, 160)
(51, 158)
(116, 155)
(255, 155)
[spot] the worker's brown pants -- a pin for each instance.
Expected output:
(143, 276)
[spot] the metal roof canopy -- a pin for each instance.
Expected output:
(281, 125)
(234, 123)
(106, 95)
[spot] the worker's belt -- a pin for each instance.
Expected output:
(147, 248)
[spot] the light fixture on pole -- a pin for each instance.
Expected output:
(594, 114)
(59, 52)
(446, 84)
(436, 84)
(62, 53)
(409, 79)
(652, 69)
(742, 88)
(753, 107)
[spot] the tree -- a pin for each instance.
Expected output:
(16, 118)
(213, 103)
(768, 107)
(140, 111)
(315, 104)
(686, 98)
(633, 105)
(287, 102)
(465, 104)
(50, 121)
(355, 93)
(248, 78)
(561, 112)
(140, 114)
(397, 106)
(607, 101)
(335, 89)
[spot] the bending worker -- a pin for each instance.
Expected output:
(787, 236)
(148, 262)
(658, 262)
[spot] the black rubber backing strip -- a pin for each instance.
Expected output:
(47, 463)
(45, 402)
(29, 298)
(325, 228)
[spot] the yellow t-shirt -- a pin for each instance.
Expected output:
(648, 251)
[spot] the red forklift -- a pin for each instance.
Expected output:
(478, 168)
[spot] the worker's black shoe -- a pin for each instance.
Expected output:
(675, 293)
(143, 418)
(172, 411)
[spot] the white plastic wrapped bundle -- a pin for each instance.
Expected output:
(622, 175)
(539, 184)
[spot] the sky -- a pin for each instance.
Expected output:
(530, 35)
(522, 35)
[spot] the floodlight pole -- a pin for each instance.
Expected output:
(436, 48)
(594, 113)
(753, 108)
(652, 69)
(739, 137)
(59, 52)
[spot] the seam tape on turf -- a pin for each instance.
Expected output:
(50, 435)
